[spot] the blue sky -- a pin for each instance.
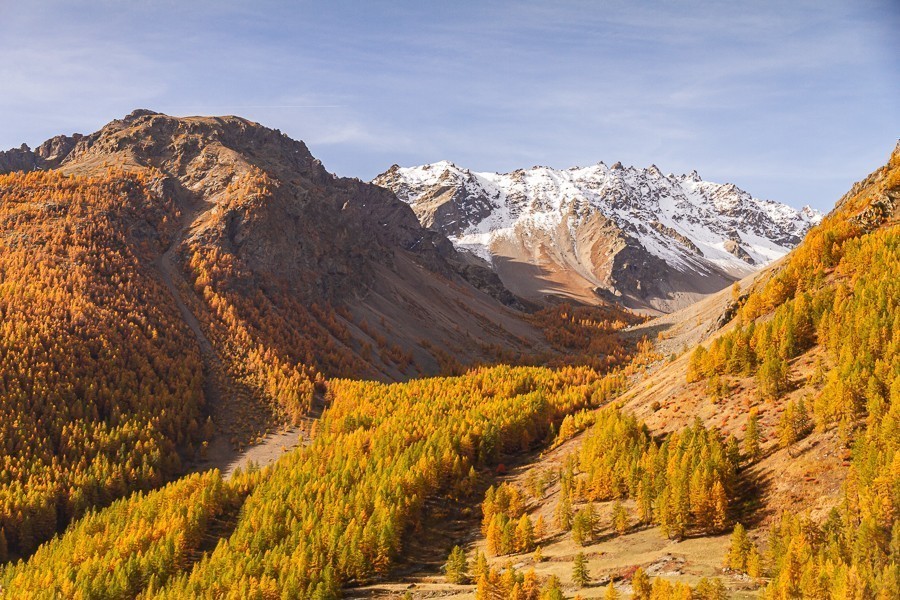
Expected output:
(790, 100)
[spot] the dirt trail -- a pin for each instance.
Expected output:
(225, 398)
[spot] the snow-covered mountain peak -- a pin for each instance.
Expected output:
(691, 225)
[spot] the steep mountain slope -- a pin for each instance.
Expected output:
(871, 207)
(260, 217)
(652, 241)
(163, 270)
(100, 384)
(811, 355)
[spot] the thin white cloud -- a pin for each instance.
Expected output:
(739, 91)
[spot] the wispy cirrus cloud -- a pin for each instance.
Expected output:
(791, 101)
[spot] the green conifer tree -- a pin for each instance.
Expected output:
(751, 437)
(457, 566)
(580, 575)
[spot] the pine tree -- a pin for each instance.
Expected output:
(719, 502)
(488, 509)
(739, 549)
(530, 585)
(751, 437)
(710, 589)
(563, 513)
(794, 424)
(664, 513)
(890, 584)
(481, 565)
(697, 365)
(661, 589)
(457, 566)
(680, 505)
(611, 593)
(754, 562)
(524, 539)
(508, 538)
(733, 451)
(483, 587)
(792, 570)
(682, 591)
(495, 536)
(894, 547)
(551, 589)
(540, 528)
(773, 376)
(640, 585)
(645, 502)
(620, 518)
(583, 525)
(517, 593)
(580, 575)
(509, 583)
(717, 388)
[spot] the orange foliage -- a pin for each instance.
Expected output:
(100, 383)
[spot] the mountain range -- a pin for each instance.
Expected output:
(650, 241)
(442, 375)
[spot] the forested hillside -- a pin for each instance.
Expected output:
(840, 290)
(335, 513)
(100, 380)
(613, 482)
(807, 373)
(174, 289)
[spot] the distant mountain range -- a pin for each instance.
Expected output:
(648, 240)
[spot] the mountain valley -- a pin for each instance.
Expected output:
(229, 373)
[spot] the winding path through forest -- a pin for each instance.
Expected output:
(224, 396)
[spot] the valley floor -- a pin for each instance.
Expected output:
(804, 478)
(609, 555)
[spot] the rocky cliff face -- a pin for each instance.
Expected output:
(649, 240)
(47, 156)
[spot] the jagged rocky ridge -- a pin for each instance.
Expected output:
(649, 240)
